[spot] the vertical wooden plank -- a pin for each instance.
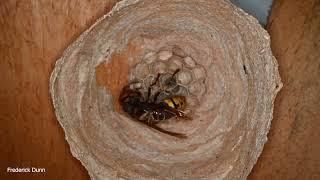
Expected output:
(33, 34)
(292, 151)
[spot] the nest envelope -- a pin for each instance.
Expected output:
(227, 73)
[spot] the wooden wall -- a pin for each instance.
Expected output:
(33, 34)
(293, 149)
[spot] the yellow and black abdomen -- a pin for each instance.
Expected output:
(177, 102)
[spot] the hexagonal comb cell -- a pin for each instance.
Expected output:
(179, 74)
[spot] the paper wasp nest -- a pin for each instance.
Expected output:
(227, 71)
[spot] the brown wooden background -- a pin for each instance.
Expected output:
(34, 33)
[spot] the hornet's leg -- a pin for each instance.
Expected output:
(149, 88)
(156, 96)
(171, 82)
(149, 93)
(157, 79)
(175, 72)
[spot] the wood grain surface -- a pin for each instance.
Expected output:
(293, 149)
(33, 34)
